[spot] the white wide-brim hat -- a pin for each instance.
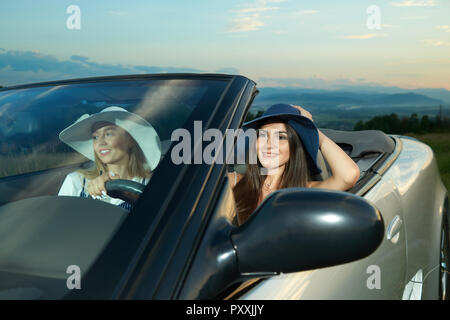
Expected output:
(79, 135)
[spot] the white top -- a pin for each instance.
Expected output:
(73, 184)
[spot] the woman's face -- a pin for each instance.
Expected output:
(111, 143)
(272, 145)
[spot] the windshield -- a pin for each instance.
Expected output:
(55, 141)
(32, 118)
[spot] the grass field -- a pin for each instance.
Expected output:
(18, 164)
(440, 143)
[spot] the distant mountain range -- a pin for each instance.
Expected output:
(352, 97)
(439, 93)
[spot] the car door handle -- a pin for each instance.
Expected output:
(393, 231)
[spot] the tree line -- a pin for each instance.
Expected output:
(393, 124)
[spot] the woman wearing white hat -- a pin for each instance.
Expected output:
(122, 144)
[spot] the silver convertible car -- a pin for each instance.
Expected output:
(386, 238)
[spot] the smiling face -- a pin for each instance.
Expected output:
(111, 143)
(272, 145)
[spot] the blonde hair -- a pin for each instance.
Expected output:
(136, 163)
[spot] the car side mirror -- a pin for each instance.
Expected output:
(299, 229)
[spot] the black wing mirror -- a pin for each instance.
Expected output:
(300, 229)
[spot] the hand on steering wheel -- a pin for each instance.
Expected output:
(113, 186)
(126, 190)
(96, 187)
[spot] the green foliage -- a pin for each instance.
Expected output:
(251, 116)
(392, 124)
(440, 143)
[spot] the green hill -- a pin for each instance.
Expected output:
(440, 143)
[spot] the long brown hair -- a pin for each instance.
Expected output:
(296, 174)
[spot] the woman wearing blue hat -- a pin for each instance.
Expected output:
(286, 146)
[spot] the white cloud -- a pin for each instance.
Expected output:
(414, 18)
(254, 10)
(245, 24)
(446, 28)
(365, 36)
(389, 26)
(307, 12)
(415, 3)
(436, 43)
(249, 18)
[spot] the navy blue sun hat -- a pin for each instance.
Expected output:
(305, 128)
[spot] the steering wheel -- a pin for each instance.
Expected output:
(126, 190)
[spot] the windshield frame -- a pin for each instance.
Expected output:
(163, 76)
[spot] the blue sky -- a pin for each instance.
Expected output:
(271, 41)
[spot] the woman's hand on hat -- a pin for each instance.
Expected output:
(304, 112)
(309, 116)
(96, 187)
